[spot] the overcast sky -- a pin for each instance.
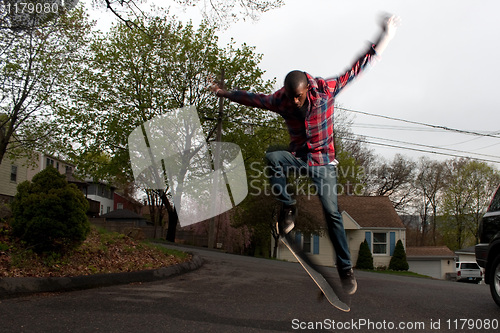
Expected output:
(440, 69)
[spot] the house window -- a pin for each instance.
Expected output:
(13, 173)
(49, 162)
(119, 205)
(379, 243)
(91, 190)
(310, 243)
(306, 243)
(108, 209)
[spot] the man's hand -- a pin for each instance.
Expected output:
(216, 89)
(389, 26)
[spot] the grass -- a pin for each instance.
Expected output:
(400, 273)
(169, 252)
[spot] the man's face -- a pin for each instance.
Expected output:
(298, 95)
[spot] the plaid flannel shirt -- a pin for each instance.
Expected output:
(313, 136)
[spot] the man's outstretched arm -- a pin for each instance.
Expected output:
(389, 27)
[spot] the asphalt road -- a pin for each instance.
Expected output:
(232, 293)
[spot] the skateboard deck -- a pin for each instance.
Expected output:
(309, 267)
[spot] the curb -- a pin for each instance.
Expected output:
(22, 286)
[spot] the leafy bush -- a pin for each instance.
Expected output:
(49, 214)
(398, 260)
(365, 258)
(5, 213)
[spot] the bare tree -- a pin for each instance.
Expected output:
(219, 13)
(393, 179)
(430, 181)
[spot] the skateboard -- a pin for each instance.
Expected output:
(316, 276)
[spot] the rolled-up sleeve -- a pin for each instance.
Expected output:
(268, 102)
(336, 84)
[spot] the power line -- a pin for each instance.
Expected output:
(428, 146)
(422, 150)
(396, 127)
(491, 135)
(391, 145)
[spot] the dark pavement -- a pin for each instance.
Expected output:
(232, 293)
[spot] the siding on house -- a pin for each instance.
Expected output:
(8, 181)
(434, 261)
(370, 218)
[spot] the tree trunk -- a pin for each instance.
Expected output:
(172, 225)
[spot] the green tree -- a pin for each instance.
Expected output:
(365, 258)
(35, 64)
(398, 261)
(49, 214)
(470, 185)
(134, 75)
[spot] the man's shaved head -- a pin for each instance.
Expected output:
(296, 87)
(294, 79)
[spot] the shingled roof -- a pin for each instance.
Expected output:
(122, 214)
(367, 211)
(430, 251)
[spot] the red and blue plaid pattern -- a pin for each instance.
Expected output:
(314, 134)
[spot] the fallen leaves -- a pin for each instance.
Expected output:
(102, 252)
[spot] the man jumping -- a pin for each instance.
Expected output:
(307, 106)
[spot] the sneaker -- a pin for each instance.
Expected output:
(348, 281)
(286, 221)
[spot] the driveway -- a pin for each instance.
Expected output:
(232, 293)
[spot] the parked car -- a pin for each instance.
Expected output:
(488, 249)
(469, 271)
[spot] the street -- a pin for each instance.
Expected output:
(232, 293)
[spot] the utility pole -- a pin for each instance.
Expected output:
(218, 138)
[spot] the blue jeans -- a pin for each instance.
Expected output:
(324, 177)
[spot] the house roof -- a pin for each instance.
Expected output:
(128, 198)
(122, 214)
(367, 211)
(467, 250)
(430, 251)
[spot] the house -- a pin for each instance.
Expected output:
(14, 172)
(100, 192)
(370, 218)
(122, 201)
(125, 216)
(433, 261)
(467, 254)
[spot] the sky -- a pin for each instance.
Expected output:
(439, 70)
